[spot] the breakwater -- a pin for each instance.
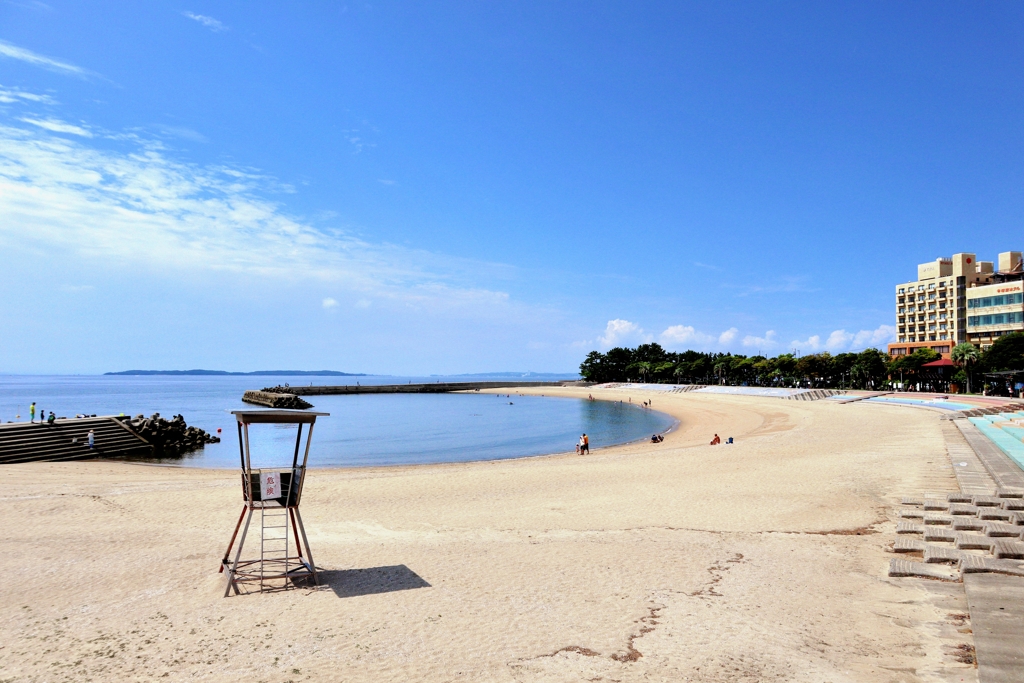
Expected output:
(426, 388)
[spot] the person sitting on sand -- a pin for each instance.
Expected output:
(50, 420)
(715, 441)
(657, 438)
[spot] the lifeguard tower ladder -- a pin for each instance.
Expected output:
(272, 493)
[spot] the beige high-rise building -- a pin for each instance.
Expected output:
(950, 303)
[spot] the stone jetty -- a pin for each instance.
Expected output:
(169, 438)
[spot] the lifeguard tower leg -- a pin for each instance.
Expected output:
(227, 553)
(238, 555)
(298, 546)
(309, 555)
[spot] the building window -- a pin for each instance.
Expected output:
(1002, 300)
(931, 285)
(996, 319)
(942, 335)
(942, 316)
(900, 310)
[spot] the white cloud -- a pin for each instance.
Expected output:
(728, 336)
(59, 126)
(128, 202)
(768, 341)
(21, 54)
(841, 341)
(809, 345)
(330, 303)
(208, 22)
(620, 332)
(884, 334)
(680, 335)
(12, 95)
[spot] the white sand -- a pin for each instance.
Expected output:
(676, 561)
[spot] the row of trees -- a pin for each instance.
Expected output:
(868, 369)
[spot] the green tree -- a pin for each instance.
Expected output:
(965, 355)
(1006, 353)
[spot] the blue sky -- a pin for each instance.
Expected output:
(467, 187)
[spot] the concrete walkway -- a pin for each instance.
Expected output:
(995, 601)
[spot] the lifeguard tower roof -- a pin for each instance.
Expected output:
(276, 416)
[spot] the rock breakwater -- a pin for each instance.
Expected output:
(275, 397)
(170, 437)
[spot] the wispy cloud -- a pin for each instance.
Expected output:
(58, 126)
(127, 200)
(329, 303)
(181, 132)
(21, 54)
(12, 95)
(209, 22)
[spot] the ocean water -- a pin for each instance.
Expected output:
(364, 429)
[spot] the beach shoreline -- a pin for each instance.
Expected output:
(639, 561)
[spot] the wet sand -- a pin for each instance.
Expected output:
(764, 560)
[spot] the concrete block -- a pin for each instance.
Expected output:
(939, 534)
(907, 500)
(999, 530)
(997, 514)
(938, 519)
(909, 528)
(959, 497)
(968, 524)
(963, 509)
(906, 544)
(974, 542)
(936, 505)
(912, 514)
(987, 501)
(919, 569)
(934, 554)
(1009, 550)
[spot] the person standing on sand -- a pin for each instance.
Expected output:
(92, 439)
(32, 412)
(586, 445)
(579, 446)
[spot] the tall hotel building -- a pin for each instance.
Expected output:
(959, 299)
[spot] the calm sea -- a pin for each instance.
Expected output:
(384, 429)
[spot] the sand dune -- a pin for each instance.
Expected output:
(676, 561)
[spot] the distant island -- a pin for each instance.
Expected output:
(257, 373)
(553, 375)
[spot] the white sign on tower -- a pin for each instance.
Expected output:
(270, 485)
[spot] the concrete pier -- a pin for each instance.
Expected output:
(435, 388)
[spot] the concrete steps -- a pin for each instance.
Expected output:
(67, 439)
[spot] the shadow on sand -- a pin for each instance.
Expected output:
(350, 583)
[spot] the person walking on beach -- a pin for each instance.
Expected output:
(92, 439)
(579, 446)
(32, 412)
(586, 445)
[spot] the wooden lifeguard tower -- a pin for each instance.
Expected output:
(274, 493)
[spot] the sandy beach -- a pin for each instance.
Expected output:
(765, 560)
